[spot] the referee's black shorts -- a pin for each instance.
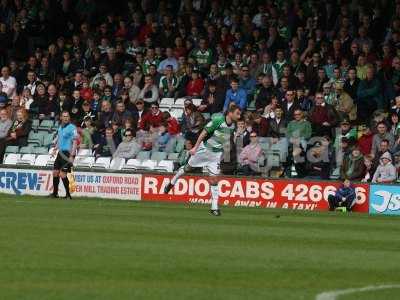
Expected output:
(62, 162)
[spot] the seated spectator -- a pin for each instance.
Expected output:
(353, 167)
(241, 136)
(172, 124)
(386, 172)
(364, 142)
(269, 111)
(368, 168)
(345, 196)
(26, 99)
(19, 131)
(149, 93)
(264, 93)
(213, 99)
(382, 134)
(103, 74)
(5, 125)
(152, 118)
(318, 163)
(250, 156)
(345, 105)
(163, 139)
(369, 95)
(192, 121)
(128, 148)
(395, 109)
(323, 117)
(195, 86)
(87, 132)
(299, 129)
(277, 125)
(107, 143)
(235, 95)
(394, 125)
(168, 83)
(289, 105)
(383, 148)
(260, 125)
(133, 90)
(120, 114)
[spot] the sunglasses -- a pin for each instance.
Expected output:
(154, 107)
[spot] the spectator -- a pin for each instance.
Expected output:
(149, 93)
(103, 74)
(235, 95)
(105, 115)
(195, 85)
(19, 131)
(192, 121)
(368, 168)
(289, 105)
(213, 99)
(382, 134)
(241, 136)
(353, 167)
(153, 118)
(277, 125)
(345, 105)
(128, 148)
(5, 125)
(250, 156)
(107, 144)
(323, 117)
(299, 128)
(260, 125)
(133, 90)
(264, 93)
(369, 95)
(168, 83)
(172, 124)
(318, 163)
(120, 114)
(8, 83)
(170, 60)
(386, 172)
(345, 196)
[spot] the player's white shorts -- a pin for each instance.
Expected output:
(205, 158)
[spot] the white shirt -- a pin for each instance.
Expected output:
(9, 86)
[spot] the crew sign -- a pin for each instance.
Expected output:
(250, 192)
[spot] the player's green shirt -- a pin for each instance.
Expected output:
(219, 134)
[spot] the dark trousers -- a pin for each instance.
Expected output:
(337, 202)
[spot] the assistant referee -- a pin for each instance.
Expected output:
(65, 143)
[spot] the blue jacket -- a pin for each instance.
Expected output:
(239, 97)
(347, 192)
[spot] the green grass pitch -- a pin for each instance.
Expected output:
(102, 249)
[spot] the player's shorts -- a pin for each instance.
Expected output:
(205, 158)
(62, 162)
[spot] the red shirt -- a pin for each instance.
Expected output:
(150, 119)
(195, 87)
(365, 143)
(173, 126)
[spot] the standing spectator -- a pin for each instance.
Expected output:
(168, 83)
(241, 136)
(192, 121)
(299, 128)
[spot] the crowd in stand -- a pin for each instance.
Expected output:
(318, 79)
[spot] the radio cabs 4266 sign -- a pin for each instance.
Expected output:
(246, 192)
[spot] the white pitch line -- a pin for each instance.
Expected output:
(333, 295)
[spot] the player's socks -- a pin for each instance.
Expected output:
(174, 179)
(66, 186)
(214, 197)
(178, 174)
(56, 181)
